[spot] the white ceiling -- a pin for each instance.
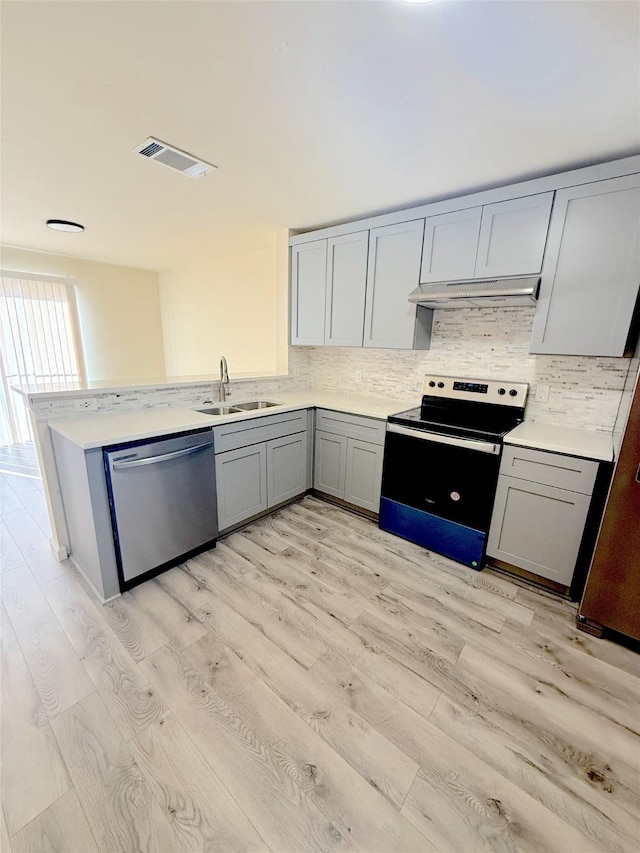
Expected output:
(315, 112)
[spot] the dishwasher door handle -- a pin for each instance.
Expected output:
(164, 457)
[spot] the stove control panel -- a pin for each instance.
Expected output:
(486, 391)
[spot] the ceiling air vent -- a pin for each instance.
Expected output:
(174, 158)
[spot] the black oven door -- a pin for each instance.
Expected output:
(439, 490)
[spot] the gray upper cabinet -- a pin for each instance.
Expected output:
(591, 270)
(450, 245)
(308, 289)
(513, 235)
(502, 239)
(346, 287)
(393, 272)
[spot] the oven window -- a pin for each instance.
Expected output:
(451, 482)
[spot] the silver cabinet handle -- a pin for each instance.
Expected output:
(470, 444)
(152, 460)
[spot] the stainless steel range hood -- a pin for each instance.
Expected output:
(485, 293)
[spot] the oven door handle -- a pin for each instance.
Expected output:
(468, 443)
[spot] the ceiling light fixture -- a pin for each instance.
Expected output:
(65, 225)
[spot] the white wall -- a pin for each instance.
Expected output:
(234, 305)
(119, 312)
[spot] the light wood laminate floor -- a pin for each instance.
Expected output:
(311, 684)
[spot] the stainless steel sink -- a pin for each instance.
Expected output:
(254, 404)
(220, 410)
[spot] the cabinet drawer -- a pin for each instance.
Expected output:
(551, 469)
(243, 433)
(351, 426)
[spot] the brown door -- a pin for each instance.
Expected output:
(612, 594)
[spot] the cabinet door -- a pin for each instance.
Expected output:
(538, 528)
(364, 474)
(450, 245)
(308, 287)
(330, 463)
(286, 468)
(591, 270)
(513, 235)
(393, 272)
(241, 480)
(346, 286)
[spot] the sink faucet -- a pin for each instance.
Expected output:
(224, 380)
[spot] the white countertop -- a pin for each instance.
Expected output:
(539, 435)
(91, 431)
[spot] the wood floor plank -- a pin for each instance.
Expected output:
(378, 761)
(121, 811)
(62, 828)
(170, 616)
(127, 694)
(34, 547)
(10, 555)
(281, 624)
(370, 658)
(5, 844)
(245, 762)
(136, 630)
(587, 682)
(414, 571)
(448, 570)
(573, 722)
(361, 813)
(566, 633)
(58, 675)
(324, 661)
(201, 811)
(476, 809)
(33, 772)
(340, 568)
(9, 500)
(34, 502)
(283, 571)
(553, 782)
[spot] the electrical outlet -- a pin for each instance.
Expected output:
(89, 404)
(358, 376)
(542, 393)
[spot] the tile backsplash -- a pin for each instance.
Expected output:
(488, 343)
(161, 395)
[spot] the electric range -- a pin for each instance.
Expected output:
(441, 464)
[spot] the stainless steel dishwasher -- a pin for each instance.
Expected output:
(162, 496)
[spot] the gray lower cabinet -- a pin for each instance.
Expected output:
(241, 482)
(347, 466)
(260, 463)
(330, 465)
(286, 468)
(539, 516)
(363, 474)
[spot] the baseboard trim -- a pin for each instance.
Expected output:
(101, 599)
(59, 551)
